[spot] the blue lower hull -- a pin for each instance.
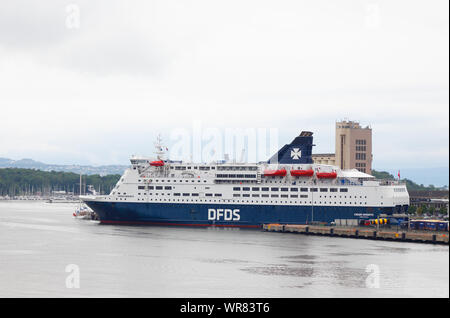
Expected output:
(223, 214)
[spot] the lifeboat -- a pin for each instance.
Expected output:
(302, 173)
(275, 173)
(157, 163)
(326, 175)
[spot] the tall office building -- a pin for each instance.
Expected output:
(353, 146)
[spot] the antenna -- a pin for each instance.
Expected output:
(159, 148)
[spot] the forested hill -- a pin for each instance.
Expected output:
(410, 185)
(15, 181)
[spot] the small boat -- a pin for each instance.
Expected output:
(157, 163)
(83, 212)
(275, 173)
(302, 173)
(326, 175)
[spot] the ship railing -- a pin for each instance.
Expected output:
(385, 182)
(382, 182)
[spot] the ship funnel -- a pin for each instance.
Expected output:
(298, 151)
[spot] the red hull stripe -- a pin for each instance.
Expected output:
(176, 224)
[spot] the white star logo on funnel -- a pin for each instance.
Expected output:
(296, 153)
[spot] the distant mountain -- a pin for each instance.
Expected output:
(89, 170)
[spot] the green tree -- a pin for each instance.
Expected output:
(15, 181)
(443, 210)
(420, 211)
(412, 209)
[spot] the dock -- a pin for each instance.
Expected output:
(360, 233)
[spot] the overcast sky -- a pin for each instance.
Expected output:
(92, 82)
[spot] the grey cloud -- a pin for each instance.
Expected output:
(26, 24)
(102, 45)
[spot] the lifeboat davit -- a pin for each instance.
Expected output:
(275, 173)
(157, 163)
(326, 175)
(302, 173)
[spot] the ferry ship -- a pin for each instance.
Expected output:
(288, 188)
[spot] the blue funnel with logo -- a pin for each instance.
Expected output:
(298, 151)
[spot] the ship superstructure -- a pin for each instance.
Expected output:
(289, 188)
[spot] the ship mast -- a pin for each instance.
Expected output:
(159, 148)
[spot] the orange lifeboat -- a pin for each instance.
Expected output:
(158, 163)
(302, 173)
(326, 175)
(275, 173)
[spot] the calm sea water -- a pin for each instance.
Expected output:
(39, 240)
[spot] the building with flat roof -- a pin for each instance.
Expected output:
(324, 158)
(353, 148)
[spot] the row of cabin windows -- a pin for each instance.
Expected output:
(245, 195)
(196, 194)
(235, 175)
(186, 194)
(175, 180)
(226, 168)
(249, 201)
(292, 189)
(237, 168)
(154, 188)
(192, 168)
(256, 189)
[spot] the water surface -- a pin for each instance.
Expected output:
(39, 240)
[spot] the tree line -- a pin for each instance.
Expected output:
(17, 181)
(410, 185)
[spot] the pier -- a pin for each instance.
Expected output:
(360, 233)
